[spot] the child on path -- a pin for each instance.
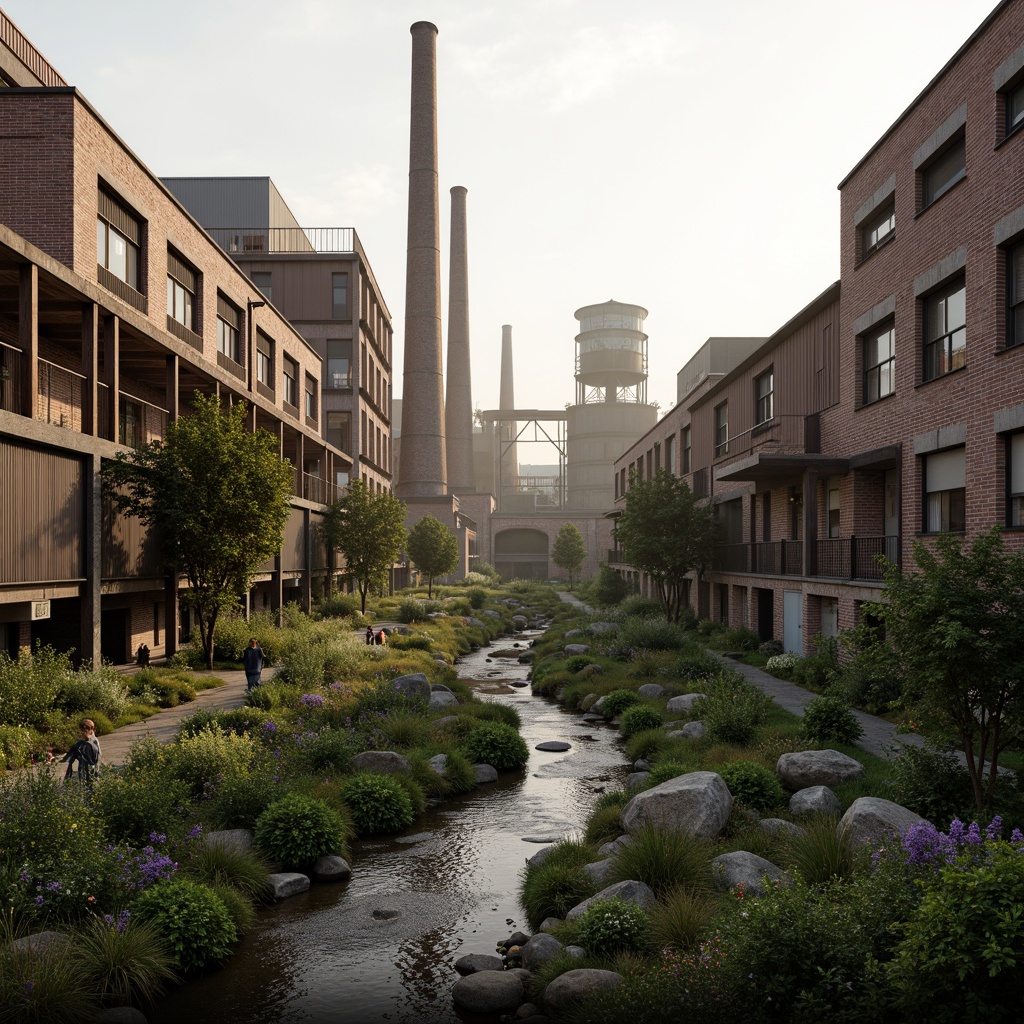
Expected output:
(86, 751)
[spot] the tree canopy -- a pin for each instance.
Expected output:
(952, 633)
(569, 551)
(371, 535)
(218, 496)
(609, 588)
(433, 549)
(667, 534)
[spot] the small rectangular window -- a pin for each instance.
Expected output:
(764, 387)
(944, 172)
(339, 363)
(118, 240)
(878, 229)
(879, 351)
(228, 320)
(1015, 480)
(687, 450)
(290, 372)
(670, 453)
(1015, 108)
(721, 429)
(945, 492)
(1015, 295)
(339, 430)
(833, 512)
(264, 360)
(945, 331)
(182, 285)
(339, 296)
(264, 280)
(310, 390)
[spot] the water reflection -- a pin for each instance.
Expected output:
(324, 956)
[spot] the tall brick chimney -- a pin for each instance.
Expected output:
(458, 408)
(509, 428)
(421, 471)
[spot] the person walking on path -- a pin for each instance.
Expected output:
(85, 751)
(253, 661)
(369, 636)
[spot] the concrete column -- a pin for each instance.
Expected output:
(112, 373)
(423, 472)
(810, 514)
(91, 600)
(90, 367)
(307, 571)
(458, 407)
(28, 336)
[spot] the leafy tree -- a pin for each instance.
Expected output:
(331, 530)
(218, 496)
(433, 549)
(569, 550)
(372, 535)
(667, 534)
(952, 632)
(610, 587)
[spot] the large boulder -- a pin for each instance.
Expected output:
(651, 690)
(287, 883)
(443, 698)
(684, 702)
(473, 963)
(588, 702)
(781, 827)
(539, 950)
(438, 764)
(485, 773)
(598, 628)
(527, 657)
(540, 856)
(331, 868)
(631, 891)
(815, 800)
(872, 819)
(445, 723)
(599, 870)
(746, 869)
(698, 803)
(817, 768)
(43, 942)
(574, 986)
(489, 992)
(236, 839)
(415, 686)
(636, 780)
(576, 648)
(384, 762)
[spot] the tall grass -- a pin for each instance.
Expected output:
(664, 859)
(683, 918)
(823, 851)
(557, 885)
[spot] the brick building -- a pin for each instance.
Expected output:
(115, 307)
(892, 407)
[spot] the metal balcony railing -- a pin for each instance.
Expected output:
(256, 241)
(839, 558)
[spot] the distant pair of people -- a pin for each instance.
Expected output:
(379, 638)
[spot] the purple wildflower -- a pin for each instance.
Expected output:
(311, 700)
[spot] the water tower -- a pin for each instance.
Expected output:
(611, 410)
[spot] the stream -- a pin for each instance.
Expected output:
(382, 947)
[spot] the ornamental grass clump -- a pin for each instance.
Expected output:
(612, 924)
(554, 887)
(193, 921)
(297, 829)
(498, 745)
(822, 851)
(665, 859)
(378, 804)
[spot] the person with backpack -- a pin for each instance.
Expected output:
(253, 662)
(85, 751)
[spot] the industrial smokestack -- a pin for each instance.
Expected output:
(509, 428)
(458, 409)
(421, 471)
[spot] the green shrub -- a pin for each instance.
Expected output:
(935, 785)
(641, 607)
(412, 642)
(819, 670)
(339, 606)
(732, 709)
(652, 634)
(94, 688)
(829, 719)
(647, 744)
(382, 700)
(612, 924)
(557, 885)
(783, 665)
(239, 868)
(304, 663)
(491, 713)
(40, 984)
(239, 907)
(770, 648)
(577, 662)
(617, 701)
(753, 785)
(605, 821)
(477, 597)
(708, 627)
(134, 804)
(662, 771)
(740, 639)
(697, 665)
(377, 803)
(411, 610)
(296, 830)
(609, 588)
(664, 859)
(122, 961)
(192, 919)
(206, 759)
(29, 684)
(639, 718)
(239, 800)
(498, 745)
(16, 746)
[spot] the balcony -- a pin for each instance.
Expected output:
(318, 490)
(840, 558)
(263, 241)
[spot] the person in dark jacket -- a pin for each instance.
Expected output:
(85, 751)
(369, 636)
(253, 661)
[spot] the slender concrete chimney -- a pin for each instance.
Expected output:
(421, 472)
(458, 408)
(509, 428)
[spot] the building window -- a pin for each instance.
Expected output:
(291, 381)
(1015, 108)
(944, 172)
(181, 291)
(1015, 295)
(721, 429)
(228, 320)
(878, 229)
(339, 363)
(264, 280)
(129, 423)
(264, 360)
(118, 240)
(763, 391)
(339, 430)
(945, 492)
(879, 364)
(945, 331)
(339, 296)
(687, 451)
(310, 397)
(670, 453)
(833, 512)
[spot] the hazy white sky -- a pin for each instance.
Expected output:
(677, 154)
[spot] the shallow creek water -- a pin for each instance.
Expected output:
(383, 946)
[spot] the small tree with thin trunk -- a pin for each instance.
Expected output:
(371, 535)
(218, 495)
(433, 549)
(569, 551)
(330, 529)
